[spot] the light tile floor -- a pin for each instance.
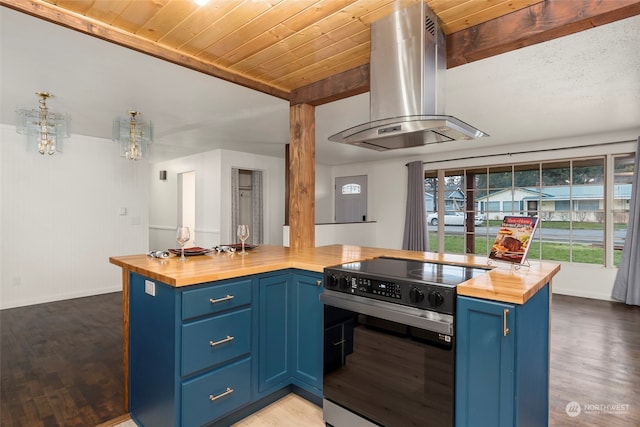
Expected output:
(290, 411)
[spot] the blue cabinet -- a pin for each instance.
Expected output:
(306, 334)
(502, 362)
(274, 326)
(214, 352)
(189, 351)
(290, 332)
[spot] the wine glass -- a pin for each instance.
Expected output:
(243, 234)
(183, 237)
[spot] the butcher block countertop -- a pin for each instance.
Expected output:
(502, 283)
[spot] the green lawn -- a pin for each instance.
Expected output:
(550, 251)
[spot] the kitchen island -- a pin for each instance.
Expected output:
(158, 295)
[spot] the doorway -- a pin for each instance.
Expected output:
(351, 199)
(247, 204)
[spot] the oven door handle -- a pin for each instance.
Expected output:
(423, 319)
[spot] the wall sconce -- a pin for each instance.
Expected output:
(44, 129)
(133, 135)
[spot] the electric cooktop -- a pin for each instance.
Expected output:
(403, 269)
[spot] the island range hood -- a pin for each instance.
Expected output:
(407, 67)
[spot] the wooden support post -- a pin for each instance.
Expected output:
(302, 176)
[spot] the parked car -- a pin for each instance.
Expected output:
(453, 218)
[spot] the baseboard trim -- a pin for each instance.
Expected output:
(61, 297)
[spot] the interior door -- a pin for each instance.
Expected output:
(351, 199)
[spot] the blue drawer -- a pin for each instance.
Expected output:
(215, 340)
(212, 395)
(215, 298)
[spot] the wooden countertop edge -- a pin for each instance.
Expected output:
(499, 284)
(514, 295)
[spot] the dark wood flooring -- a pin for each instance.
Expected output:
(595, 362)
(61, 363)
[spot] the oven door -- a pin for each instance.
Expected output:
(386, 364)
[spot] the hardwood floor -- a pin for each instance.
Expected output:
(595, 362)
(62, 363)
(62, 366)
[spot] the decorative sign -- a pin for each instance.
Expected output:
(514, 236)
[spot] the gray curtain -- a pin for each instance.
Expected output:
(415, 222)
(626, 287)
(256, 232)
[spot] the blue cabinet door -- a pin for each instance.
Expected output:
(307, 331)
(275, 318)
(154, 330)
(485, 361)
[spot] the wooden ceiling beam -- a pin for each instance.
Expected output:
(349, 83)
(83, 24)
(535, 24)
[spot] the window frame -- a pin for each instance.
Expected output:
(576, 207)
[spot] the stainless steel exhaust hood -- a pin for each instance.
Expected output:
(407, 67)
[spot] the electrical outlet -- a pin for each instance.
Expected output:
(150, 288)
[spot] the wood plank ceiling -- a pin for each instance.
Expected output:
(278, 46)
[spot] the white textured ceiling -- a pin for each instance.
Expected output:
(585, 83)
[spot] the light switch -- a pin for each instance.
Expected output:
(150, 288)
(122, 211)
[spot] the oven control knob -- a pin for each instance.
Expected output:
(332, 281)
(416, 295)
(435, 298)
(343, 283)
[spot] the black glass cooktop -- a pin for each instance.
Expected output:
(397, 268)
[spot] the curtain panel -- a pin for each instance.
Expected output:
(415, 222)
(626, 287)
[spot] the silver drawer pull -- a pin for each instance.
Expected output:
(339, 342)
(222, 341)
(223, 394)
(227, 298)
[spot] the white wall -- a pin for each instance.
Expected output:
(388, 196)
(163, 200)
(325, 199)
(60, 218)
(213, 197)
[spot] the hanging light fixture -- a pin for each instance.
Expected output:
(133, 135)
(44, 129)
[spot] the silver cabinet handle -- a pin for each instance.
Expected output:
(339, 342)
(227, 298)
(222, 341)
(223, 394)
(505, 330)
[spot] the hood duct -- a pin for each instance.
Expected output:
(407, 67)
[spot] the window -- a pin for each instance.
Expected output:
(569, 196)
(351, 189)
(511, 207)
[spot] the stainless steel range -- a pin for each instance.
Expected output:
(389, 342)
